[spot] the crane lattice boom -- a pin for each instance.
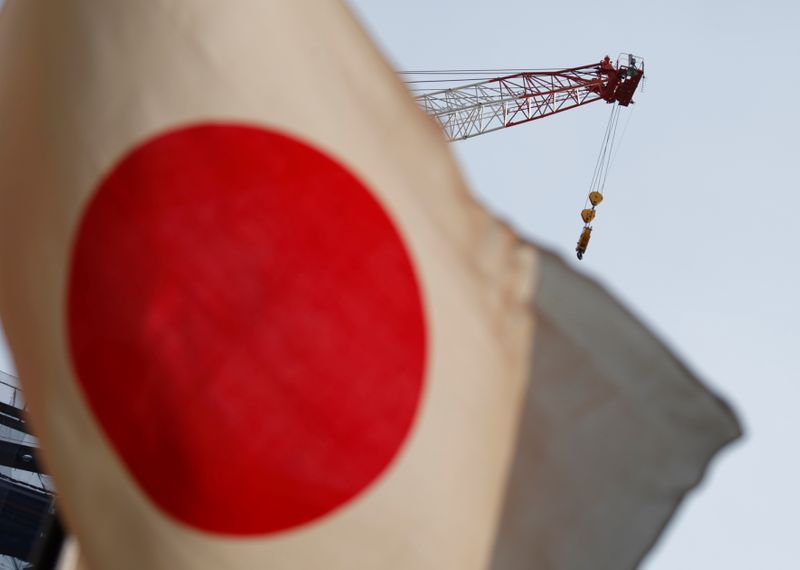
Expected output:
(465, 111)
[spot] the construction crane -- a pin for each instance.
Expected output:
(468, 103)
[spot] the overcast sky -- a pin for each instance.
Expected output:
(697, 233)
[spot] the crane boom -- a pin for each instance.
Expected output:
(469, 110)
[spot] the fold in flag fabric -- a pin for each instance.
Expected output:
(260, 321)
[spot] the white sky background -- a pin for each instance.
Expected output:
(697, 232)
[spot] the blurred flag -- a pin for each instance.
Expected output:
(261, 322)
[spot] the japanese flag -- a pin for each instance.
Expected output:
(261, 323)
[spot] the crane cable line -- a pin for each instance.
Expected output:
(605, 159)
(429, 79)
(493, 72)
(621, 138)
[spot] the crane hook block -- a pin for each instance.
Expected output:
(588, 215)
(583, 241)
(595, 198)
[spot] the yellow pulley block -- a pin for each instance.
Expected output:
(588, 215)
(595, 198)
(583, 241)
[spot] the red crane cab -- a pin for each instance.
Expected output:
(622, 79)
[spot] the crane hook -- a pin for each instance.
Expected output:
(583, 241)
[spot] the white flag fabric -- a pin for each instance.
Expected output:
(260, 322)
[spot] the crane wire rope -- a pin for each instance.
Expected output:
(421, 81)
(487, 71)
(603, 159)
(622, 137)
(610, 150)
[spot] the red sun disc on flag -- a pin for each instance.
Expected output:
(247, 328)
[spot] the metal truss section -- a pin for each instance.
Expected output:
(469, 110)
(480, 101)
